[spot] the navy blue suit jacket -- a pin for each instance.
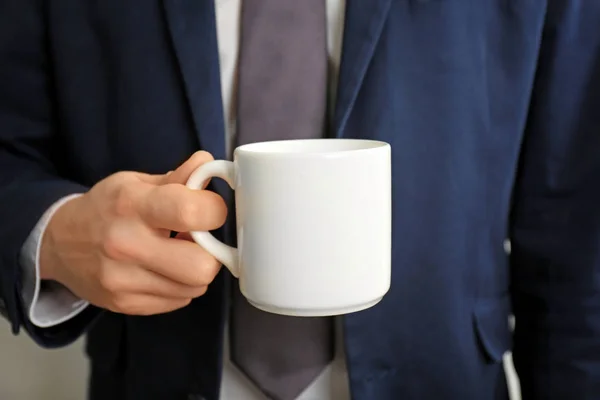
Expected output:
(492, 108)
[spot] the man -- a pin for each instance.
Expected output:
(491, 109)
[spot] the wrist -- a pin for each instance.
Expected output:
(47, 260)
(60, 227)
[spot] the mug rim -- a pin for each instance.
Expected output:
(312, 147)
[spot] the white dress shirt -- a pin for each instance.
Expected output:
(49, 303)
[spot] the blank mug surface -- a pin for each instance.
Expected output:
(313, 224)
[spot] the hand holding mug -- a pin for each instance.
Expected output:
(111, 246)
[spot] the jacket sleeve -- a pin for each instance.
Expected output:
(555, 224)
(32, 170)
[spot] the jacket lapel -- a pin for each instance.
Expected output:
(194, 36)
(193, 32)
(363, 27)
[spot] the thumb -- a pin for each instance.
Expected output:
(183, 172)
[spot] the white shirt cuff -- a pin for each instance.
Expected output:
(47, 303)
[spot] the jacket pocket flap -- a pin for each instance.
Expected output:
(491, 319)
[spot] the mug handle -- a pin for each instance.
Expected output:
(225, 170)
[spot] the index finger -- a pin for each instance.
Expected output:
(178, 208)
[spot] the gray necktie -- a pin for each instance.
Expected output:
(282, 94)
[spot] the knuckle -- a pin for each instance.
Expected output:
(176, 305)
(122, 242)
(110, 280)
(123, 176)
(197, 280)
(113, 245)
(126, 305)
(200, 209)
(220, 211)
(200, 291)
(120, 304)
(215, 210)
(214, 265)
(173, 306)
(185, 303)
(197, 277)
(187, 213)
(208, 271)
(123, 200)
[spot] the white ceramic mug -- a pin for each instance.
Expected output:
(313, 224)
